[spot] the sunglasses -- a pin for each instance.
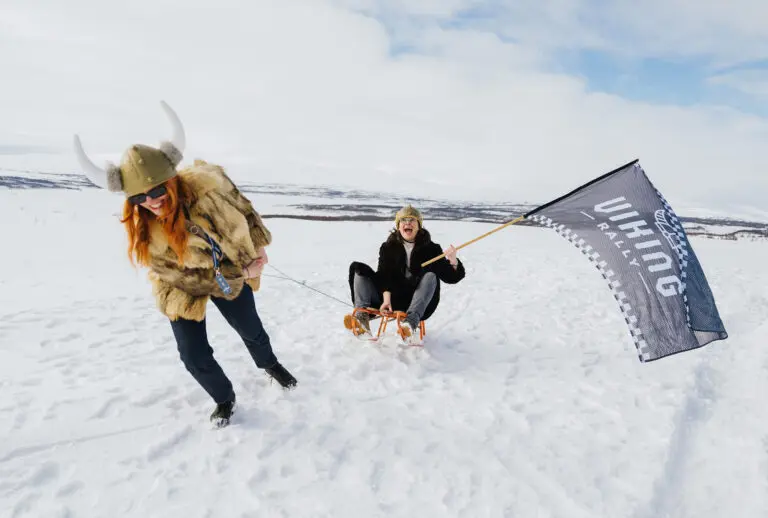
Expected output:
(408, 220)
(153, 193)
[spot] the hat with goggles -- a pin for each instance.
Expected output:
(408, 212)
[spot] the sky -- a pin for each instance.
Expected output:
(487, 100)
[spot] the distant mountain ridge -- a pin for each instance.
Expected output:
(333, 204)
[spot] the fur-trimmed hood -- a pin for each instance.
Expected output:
(215, 204)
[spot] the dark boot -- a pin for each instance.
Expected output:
(282, 376)
(223, 413)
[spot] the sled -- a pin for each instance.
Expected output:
(351, 323)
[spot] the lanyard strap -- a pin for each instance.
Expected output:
(216, 252)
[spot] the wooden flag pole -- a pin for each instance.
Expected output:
(534, 211)
(516, 220)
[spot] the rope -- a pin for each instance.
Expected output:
(303, 284)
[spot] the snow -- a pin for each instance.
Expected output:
(527, 401)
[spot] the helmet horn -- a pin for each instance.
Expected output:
(175, 147)
(104, 178)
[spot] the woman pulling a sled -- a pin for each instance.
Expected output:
(201, 240)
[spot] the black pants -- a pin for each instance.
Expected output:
(197, 354)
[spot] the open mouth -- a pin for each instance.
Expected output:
(156, 206)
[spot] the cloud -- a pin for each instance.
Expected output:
(726, 32)
(25, 150)
(334, 93)
(752, 82)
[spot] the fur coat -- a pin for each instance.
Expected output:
(218, 207)
(390, 273)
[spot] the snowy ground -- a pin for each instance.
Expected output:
(528, 400)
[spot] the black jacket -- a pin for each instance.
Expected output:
(390, 273)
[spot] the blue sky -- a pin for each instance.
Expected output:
(468, 98)
(672, 81)
(635, 69)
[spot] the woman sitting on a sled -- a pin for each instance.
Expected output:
(400, 287)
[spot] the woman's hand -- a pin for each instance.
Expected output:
(386, 307)
(450, 254)
(255, 267)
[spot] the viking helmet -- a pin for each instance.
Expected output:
(142, 167)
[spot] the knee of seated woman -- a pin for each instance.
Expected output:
(429, 277)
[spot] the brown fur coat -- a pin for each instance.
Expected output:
(228, 217)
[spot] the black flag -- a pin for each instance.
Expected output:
(634, 238)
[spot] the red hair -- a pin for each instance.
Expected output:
(136, 220)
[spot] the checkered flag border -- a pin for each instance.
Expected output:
(681, 247)
(626, 308)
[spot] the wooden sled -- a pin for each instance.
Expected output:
(351, 323)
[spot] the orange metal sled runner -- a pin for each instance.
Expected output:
(351, 323)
